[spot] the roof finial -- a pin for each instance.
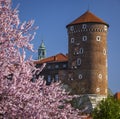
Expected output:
(42, 39)
(88, 7)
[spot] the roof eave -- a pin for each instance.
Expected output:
(87, 22)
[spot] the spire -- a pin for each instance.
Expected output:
(41, 51)
(89, 4)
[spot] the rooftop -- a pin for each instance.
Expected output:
(56, 58)
(117, 95)
(87, 17)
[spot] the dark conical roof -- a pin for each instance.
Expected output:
(87, 17)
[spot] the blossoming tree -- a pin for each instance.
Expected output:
(19, 96)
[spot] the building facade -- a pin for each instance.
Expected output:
(54, 66)
(85, 67)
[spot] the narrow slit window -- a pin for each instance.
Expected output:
(104, 51)
(78, 61)
(81, 51)
(84, 38)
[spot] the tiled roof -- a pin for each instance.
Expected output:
(56, 58)
(117, 95)
(87, 17)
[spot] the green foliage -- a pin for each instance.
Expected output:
(107, 109)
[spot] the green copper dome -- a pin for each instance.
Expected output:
(42, 45)
(42, 51)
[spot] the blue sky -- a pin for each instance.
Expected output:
(52, 16)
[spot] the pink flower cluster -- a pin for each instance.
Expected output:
(19, 96)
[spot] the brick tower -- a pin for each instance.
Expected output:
(87, 54)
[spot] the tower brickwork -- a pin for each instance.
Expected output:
(87, 54)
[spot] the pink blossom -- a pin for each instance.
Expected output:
(19, 96)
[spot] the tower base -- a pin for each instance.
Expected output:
(86, 103)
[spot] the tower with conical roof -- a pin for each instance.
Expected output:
(42, 51)
(87, 54)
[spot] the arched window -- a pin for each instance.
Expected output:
(78, 61)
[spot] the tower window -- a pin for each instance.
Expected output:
(78, 61)
(84, 38)
(100, 76)
(104, 51)
(81, 51)
(84, 26)
(105, 28)
(80, 76)
(98, 38)
(72, 40)
(97, 90)
(72, 28)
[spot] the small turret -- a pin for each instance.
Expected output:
(42, 51)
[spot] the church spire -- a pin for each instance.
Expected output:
(41, 51)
